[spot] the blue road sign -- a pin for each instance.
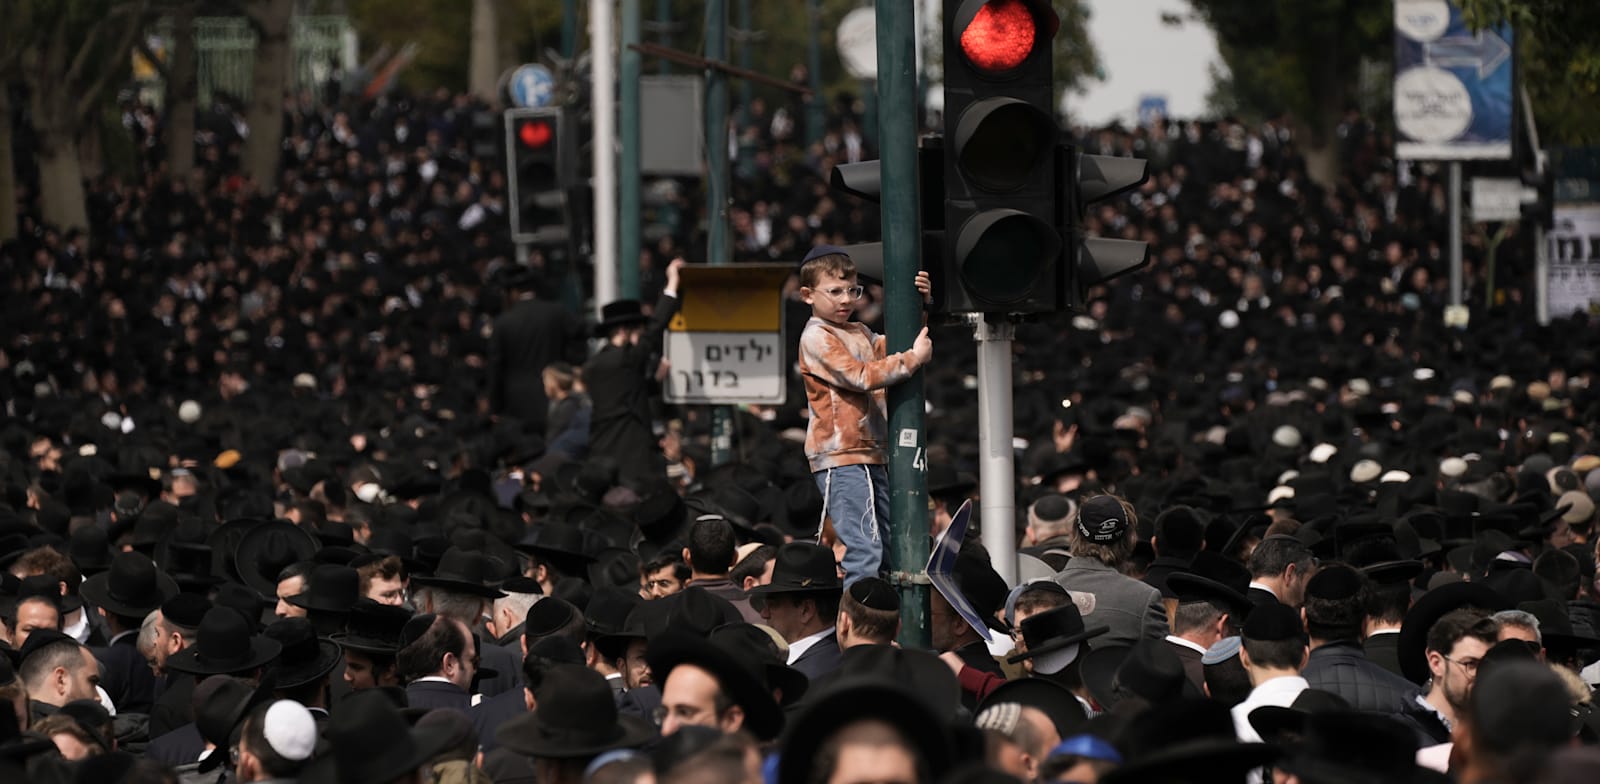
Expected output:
(532, 86)
(942, 565)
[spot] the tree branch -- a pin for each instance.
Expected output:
(118, 55)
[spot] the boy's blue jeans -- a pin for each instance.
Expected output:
(857, 498)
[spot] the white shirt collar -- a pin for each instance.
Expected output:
(800, 646)
(1176, 640)
(79, 631)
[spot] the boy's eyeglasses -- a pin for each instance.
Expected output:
(853, 292)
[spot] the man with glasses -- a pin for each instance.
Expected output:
(1456, 644)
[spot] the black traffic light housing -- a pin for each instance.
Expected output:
(539, 170)
(1002, 245)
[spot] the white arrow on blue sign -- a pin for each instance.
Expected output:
(532, 86)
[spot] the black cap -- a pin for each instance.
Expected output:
(1102, 520)
(1272, 622)
(875, 593)
(1334, 583)
(824, 250)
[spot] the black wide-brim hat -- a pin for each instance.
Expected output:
(1435, 604)
(742, 684)
(132, 587)
(575, 694)
(373, 628)
(854, 699)
(223, 646)
(370, 743)
(1192, 762)
(1193, 587)
(1056, 629)
(266, 549)
(460, 571)
(619, 313)
(802, 567)
(1056, 701)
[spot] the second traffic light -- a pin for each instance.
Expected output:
(539, 171)
(1002, 247)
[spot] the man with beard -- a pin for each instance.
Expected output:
(1456, 644)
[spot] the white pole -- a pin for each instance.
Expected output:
(1455, 233)
(603, 71)
(997, 469)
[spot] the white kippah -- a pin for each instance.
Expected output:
(189, 412)
(1452, 467)
(1365, 471)
(1286, 436)
(1279, 493)
(290, 730)
(1395, 475)
(1321, 453)
(1002, 717)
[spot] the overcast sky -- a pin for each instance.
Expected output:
(1143, 56)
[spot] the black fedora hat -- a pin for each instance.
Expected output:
(1435, 604)
(852, 700)
(1284, 725)
(563, 544)
(461, 571)
(304, 658)
(748, 643)
(366, 722)
(132, 587)
(332, 588)
(577, 718)
(619, 313)
(1149, 669)
(90, 549)
(742, 679)
(1213, 578)
(608, 611)
(802, 567)
(224, 646)
(266, 549)
(1052, 630)
(1195, 762)
(373, 628)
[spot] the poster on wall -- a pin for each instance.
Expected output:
(1452, 87)
(1574, 269)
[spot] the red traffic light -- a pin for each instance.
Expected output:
(1000, 36)
(534, 134)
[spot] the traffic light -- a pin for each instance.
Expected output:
(538, 168)
(1095, 260)
(865, 180)
(1002, 244)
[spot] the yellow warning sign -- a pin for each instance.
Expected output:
(732, 298)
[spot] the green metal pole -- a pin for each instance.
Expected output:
(569, 28)
(814, 105)
(903, 314)
(717, 133)
(664, 27)
(746, 89)
(869, 118)
(717, 190)
(631, 215)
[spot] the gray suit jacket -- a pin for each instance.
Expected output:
(1132, 609)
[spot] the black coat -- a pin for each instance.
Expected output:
(1261, 598)
(175, 707)
(437, 694)
(178, 747)
(820, 659)
(487, 716)
(619, 380)
(1384, 651)
(507, 665)
(526, 339)
(1341, 668)
(1193, 667)
(1162, 568)
(125, 675)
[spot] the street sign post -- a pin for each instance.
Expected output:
(726, 344)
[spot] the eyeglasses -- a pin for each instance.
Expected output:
(1470, 665)
(850, 293)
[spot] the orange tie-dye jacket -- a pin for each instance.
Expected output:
(845, 373)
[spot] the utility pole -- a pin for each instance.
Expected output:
(717, 189)
(903, 313)
(746, 35)
(632, 213)
(604, 92)
(814, 106)
(663, 27)
(569, 29)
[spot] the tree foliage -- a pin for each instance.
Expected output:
(1558, 61)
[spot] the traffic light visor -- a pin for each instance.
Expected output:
(999, 36)
(534, 134)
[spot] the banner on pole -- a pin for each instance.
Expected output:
(1574, 270)
(1453, 87)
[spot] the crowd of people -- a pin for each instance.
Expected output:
(314, 482)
